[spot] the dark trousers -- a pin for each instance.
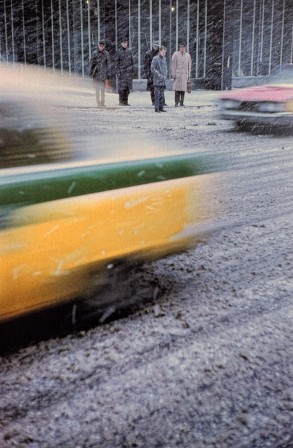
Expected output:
(179, 97)
(123, 97)
(152, 92)
(159, 97)
(151, 89)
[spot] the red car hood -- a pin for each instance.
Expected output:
(261, 93)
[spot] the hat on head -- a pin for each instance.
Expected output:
(156, 44)
(124, 39)
(101, 42)
(182, 45)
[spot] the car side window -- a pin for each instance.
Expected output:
(26, 138)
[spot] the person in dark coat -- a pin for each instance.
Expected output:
(124, 72)
(150, 54)
(160, 75)
(100, 71)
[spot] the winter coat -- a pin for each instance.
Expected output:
(124, 69)
(181, 69)
(100, 65)
(149, 56)
(159, 71)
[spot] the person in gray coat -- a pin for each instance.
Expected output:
(100, 71)
(149, 56)
(160, 74)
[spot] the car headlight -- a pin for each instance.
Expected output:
(271, 107)
(230, 104)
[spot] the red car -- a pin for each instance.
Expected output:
(269, 105)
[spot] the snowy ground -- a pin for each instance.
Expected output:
(205, 360)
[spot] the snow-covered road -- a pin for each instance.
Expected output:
(205, 359)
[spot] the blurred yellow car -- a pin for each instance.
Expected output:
(65, 223)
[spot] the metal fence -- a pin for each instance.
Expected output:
(61, 34)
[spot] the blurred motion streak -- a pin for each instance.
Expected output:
(268, 106)
(66, 223)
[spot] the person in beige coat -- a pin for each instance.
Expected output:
(181, 70)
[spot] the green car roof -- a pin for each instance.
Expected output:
(48, 185)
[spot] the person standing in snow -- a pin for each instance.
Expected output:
(150, 54)
(181, 70)
(160, 74)
(124, 72)
(100, 71)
